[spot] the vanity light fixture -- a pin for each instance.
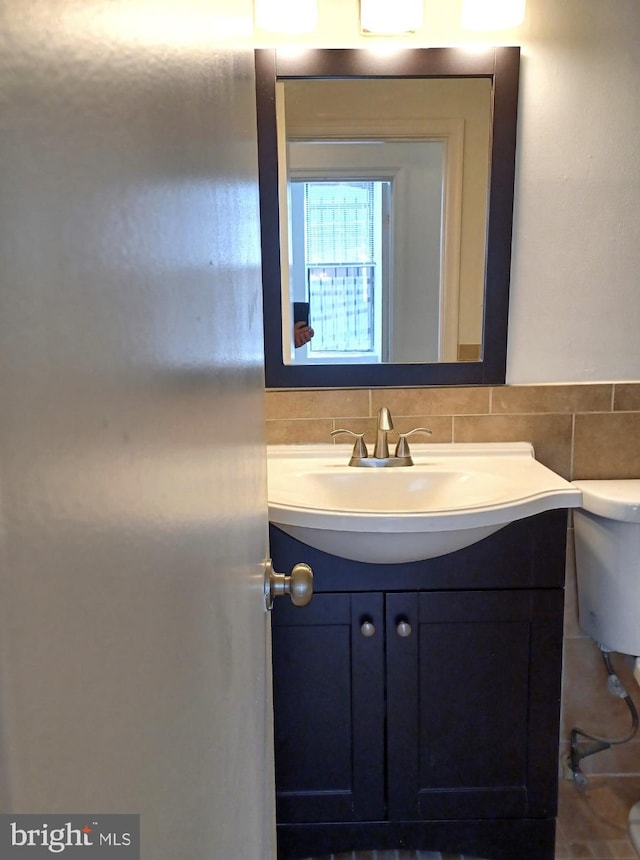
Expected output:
(286, 16)
(492, 14)
(391, 17)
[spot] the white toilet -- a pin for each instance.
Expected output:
(607, 537)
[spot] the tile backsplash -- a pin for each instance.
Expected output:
(578, 430)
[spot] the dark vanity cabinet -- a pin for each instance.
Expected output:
(417, 705)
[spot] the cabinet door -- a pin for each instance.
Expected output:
(328, 676)
(471, 687)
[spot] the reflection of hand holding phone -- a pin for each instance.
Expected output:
(302, 332)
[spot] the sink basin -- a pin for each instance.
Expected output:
(454, 495)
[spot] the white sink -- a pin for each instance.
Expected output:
(454, 495)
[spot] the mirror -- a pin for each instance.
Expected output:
(413, 154)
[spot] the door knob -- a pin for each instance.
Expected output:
(298, 585)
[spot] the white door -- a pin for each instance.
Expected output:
(133, 668)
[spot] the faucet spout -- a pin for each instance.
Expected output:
(381, 450)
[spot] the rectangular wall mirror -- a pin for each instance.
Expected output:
(386, 200)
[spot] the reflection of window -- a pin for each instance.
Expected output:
(337, 265)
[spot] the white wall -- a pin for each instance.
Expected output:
(575, 312)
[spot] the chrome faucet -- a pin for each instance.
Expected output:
(402, 456)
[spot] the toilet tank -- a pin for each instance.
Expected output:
(607, 540)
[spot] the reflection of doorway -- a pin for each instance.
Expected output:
(419, 263)
(340, 245)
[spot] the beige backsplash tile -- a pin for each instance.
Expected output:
(432, 401)
(607, 445)
(298, 431)
(441, 427)
(627, 396)
(356, 425)
(314, 403)
(551, 398)
(549, 434)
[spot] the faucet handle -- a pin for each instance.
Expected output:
(402, 448)
(359, 448)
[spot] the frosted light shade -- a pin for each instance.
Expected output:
(286, 16)
(391, 16)
(492, 14)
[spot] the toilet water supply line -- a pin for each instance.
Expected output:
(591, 744)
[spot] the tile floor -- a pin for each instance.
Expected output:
(592, 824)
(592, 820)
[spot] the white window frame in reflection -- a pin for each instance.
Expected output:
(341, 268)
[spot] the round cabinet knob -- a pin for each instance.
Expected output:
(368, 629)
(403, 629)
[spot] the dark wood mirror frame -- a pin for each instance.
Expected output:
(502, 66)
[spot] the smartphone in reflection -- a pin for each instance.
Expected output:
(301, 312)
